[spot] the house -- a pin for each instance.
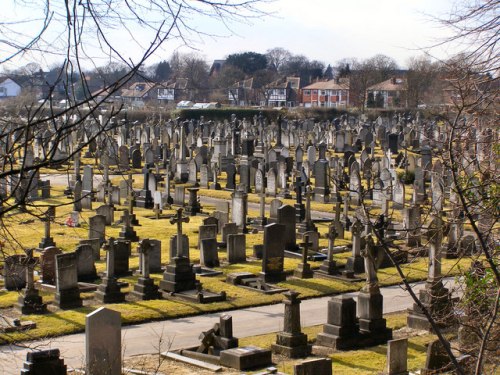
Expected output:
(284, 92)
(173, 91)
(388, 94)
(9, 88)
(241, 93)
(139, 93)
(216, 68)
(333, 93)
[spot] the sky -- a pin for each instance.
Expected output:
(324, 30)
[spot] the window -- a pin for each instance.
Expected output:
(315, 92)
(307, 92)
(323, 92)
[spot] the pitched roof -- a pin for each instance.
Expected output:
(392, 84)
(332, 84)
(138, 89)
(285, 82)
(245, 84)
(178, 83)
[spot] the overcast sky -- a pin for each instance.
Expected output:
(324, 30)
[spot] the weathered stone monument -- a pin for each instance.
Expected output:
(291, 342)
(103, 342)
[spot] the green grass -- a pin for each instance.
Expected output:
(364, 361)
(23, 231)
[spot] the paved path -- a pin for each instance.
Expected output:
(183, 332)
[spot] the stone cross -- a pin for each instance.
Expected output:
(368, 254)
(308, 204)
(110, 257)
(49, 216)
(30, 265)
(356, 229)
(131, 201)
(179, 219)
(435, 236)
(143, 250)
(262, 199)
(305, 248)
(332, 235)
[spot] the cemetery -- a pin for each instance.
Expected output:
(171, 219)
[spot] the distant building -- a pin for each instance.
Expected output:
(9, 88)
(330, 94)
(241, 93)
(388, 94)
(284, 92)
(139, 93)
(173, 91)
(216, 68)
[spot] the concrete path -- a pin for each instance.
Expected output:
(183, 332)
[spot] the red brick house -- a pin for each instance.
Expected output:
(333, 93)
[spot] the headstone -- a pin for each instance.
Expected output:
(44, 362)
(318, 366)
(85, 263)
(273, 253)
(209, 256)
(236, 248)
(103, 347)
(97, 227)
(67, 292)
(286, 217)
(48, 264)
(397, 357)
(291, 342)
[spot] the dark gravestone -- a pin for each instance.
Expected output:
(208, 253)
(122, 255)
(14, 272)
(321, 366)
(236, 248)
(286, 217)
(291, 342)
(85, 263)
(437, 360)
(341, 331)
(44, 362)
(67, 292)
(273, 253)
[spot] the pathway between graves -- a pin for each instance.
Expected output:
(183, 332)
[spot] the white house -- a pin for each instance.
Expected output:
(9, 88)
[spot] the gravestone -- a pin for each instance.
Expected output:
(97, 227)
(273, 253)
(109, 289)
(209, 256)
(236, 248)
(397, 357)
(205, 232)
(286, 217)
(318, 366)
(103, 347)
(48, 264)
(43, 362)
(14, 272)
(291, 342)
(227, 229)
(85, 265)
(67, 293)
(145, 288)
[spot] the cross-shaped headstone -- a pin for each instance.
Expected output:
(179, 219)
(305, 248)
(144, 249)
(332, 235)
(30, 265)
(109, 247)
(308, 204)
